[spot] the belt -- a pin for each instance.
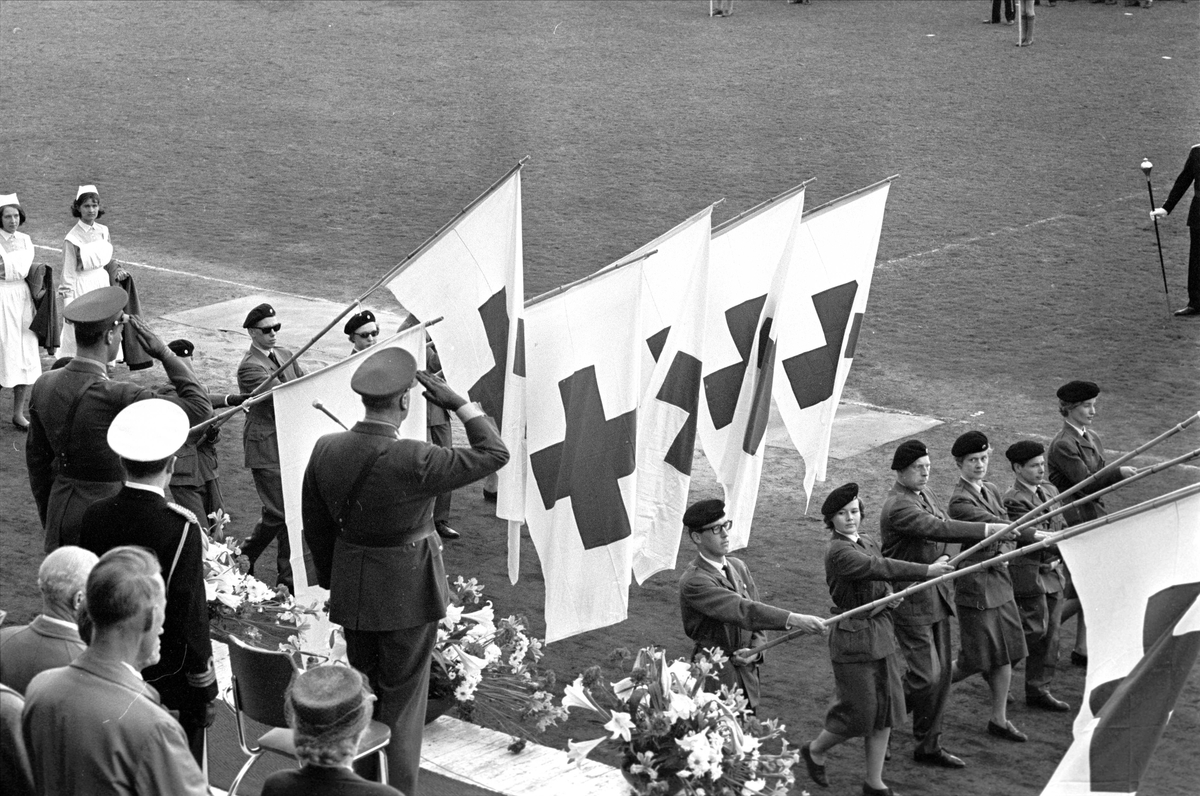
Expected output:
(406, 538)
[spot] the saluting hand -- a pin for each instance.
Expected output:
(152, 343)
(438, 392)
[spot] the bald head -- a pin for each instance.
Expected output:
(62, 576)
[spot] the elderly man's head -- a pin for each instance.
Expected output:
(328, 707)
(126, 600)
(62, 579)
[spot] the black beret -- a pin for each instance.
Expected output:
(839, 499)
(1023, 451)
(181, 347)
(909, 451)
(257, 314)
(99, 306)
(971, 442)
(1074, 392)
(706, 512)
(384, 373)
(360, 319)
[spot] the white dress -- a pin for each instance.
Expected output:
(19, 361)
(85, 253)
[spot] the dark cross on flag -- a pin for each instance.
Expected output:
(721, 388)
(585, 466)
(489, 389)
(681, 388)
(760, 407)
(1133, 711)
(813, 373)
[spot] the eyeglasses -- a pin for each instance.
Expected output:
(365, 335)
(721, 528)
(274, 328)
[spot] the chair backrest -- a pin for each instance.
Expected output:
(260, 680)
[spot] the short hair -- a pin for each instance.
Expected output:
(379, 403)
(88, 334)
(20, 214)
(862, 513)
(135, 469)
(125, 583)
(64, 573)
(1065, 407)
(81, 199)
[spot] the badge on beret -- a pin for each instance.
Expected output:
(181, 347)
(971, 442)
(384, 373)
(908, 452)
(98, 306)
(146, 431)
(1074, 392)
(257, 314)
(358, 321)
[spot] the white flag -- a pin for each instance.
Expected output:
(472, 276)
(582, 388)
(298, 426)
(832, 264)
(749, 261)
(1139, 582)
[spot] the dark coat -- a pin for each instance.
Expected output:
(258, 434)
(383, 562)
(319, 781)
(1073, 457)
(913, 528)
(47, 308)
(1188, 178)
(991, 587)
(1040, 572)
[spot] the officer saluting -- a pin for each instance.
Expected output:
(70, 466)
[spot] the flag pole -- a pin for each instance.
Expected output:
(1069, 533)
(606, 269)
(807, 214)
(725, 226)
(1034, 512)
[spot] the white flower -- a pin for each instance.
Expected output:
(484, 616)
(753, 786)
(624, 689)
(453, 616)
(576, 752)
(681, 707)
(619, 725)
(575, 696)
(704, 757)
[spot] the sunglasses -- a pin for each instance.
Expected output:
(721, 528)
(365, 335)
(274, 328)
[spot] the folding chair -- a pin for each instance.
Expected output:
(260, 681)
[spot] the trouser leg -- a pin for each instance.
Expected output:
(1041, 636)
(271, 526)
(442, 436)
(926, 650)
(1194, 267)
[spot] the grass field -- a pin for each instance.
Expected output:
(307, 147)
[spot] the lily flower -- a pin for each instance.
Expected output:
(576, 752)
(576, 696)
(619, 725)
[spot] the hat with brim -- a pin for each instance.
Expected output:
(149, 430)
(384, 374)
(102, 305)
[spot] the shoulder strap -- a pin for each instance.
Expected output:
(352, 495)
(68, 424)
(178, 552)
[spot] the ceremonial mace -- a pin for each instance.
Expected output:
(318, 405)
(1146, 167)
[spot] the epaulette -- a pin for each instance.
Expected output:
(185, 513)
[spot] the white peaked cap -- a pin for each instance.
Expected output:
(87, 189)
(7, 199)
(146, 431)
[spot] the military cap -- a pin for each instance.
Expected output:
(99, 306)
(257, 314)
(839, 499)
(1074, 392)
(1023, 451)
(908, 452)
(146, 431)
(705, 512)
(971, 442)
(384, 373)
(9, 199)
(85, 189)
(181, 347)
(328, 702)
(358, 320)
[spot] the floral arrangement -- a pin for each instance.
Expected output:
(241, 605)
(675, 736)
(489, 668)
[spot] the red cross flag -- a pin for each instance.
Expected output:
(583, 382)
(833, 260)
(1139, 581)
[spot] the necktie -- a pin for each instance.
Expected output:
(1041, 496)
(274, 359)
(729, 575)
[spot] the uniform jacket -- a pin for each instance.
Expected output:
(1189, 177)
(28, 650)
(857, 573)
(1040, 572)
(258, 434)
(1072, 458)
(320, 781)
(196, 461)
(184, 673)
(69, 469)
(992, 587)
(15, 771)
(383, 562)
(95, 727)
(913, 528)
(727, 615)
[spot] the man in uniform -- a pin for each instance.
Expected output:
(719, 602)
(913, 528)
(368, 500)
(1188, 178)
(1037, 578)
(146, 436)
(258, 436)
(70, 466)
(95, 724)
(362, 330)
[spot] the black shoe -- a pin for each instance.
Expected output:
(816, 771)
(1008, 732)
(489, 496)
(939, 758)
(869, 791)
(1046, 701)
(1187, 312)
(446, 532)
(1078, 658)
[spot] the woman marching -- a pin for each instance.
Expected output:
(87, 251)
(19, 362)
(869, 698)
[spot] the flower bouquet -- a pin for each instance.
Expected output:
(241, 605)
(676, 737)
(487, 669)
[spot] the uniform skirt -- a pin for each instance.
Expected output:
(990, 637)
(869, 696)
